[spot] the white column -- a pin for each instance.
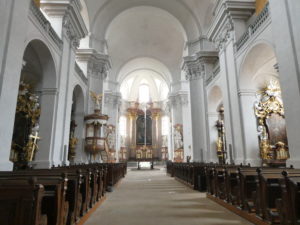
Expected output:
(187, 129)
(232, 114)
(286, 32)
(43, 157)
(247, 99)
(13, 26)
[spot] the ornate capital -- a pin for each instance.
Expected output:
(195, 66)
(224, 35)
(73, 23)
(97, 64)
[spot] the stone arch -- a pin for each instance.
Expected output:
(258, 66)
(257, 69)
(39, 71)
(77, 116)
(111, 9)
(215, 100)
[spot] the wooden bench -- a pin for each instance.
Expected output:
(20, 202)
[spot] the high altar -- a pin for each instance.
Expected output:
(144, 141)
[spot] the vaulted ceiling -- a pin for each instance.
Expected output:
(146, 29)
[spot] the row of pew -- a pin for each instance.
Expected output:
(57, 196)
(271, 194)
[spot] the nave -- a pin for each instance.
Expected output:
(150, 197)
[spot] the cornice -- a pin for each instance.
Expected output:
(73, 22)
(179, 98)
(226, 11)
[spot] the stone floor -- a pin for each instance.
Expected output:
(151, 198)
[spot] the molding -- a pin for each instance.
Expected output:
(194, 66)
(247, 92)
(226, 11)
(73, 23)
(112, 98)
(179, 98)
(39, 18)
(98, 64)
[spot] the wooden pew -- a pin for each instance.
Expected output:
(60, 193)
(232, 185)
(248, 184)
(288, 207)
(270, 193)
(20, 202)
(210, 171)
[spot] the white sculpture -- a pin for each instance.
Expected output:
(178, 139)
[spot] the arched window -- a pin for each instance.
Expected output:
(165, 125)
(144, 94)
(122, 128)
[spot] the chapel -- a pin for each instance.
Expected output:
(154, 112)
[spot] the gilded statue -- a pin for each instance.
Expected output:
(97, 98)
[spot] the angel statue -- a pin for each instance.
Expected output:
(96, 99)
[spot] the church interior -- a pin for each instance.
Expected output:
(124, 112)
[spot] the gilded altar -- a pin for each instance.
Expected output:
(144, 153)
(25, 137)
(269, 111)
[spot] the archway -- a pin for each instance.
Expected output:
(258, 69)
(76, 141)
(36, 102)
(215, 98)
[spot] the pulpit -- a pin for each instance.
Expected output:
(95, 140)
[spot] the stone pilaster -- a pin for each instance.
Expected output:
(197, 68)
(229, 23)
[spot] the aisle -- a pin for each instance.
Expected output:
(151, 198)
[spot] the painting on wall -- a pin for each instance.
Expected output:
(140, 130)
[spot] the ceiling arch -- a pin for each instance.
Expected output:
(145, 32)
(144, 63)
(179, 9)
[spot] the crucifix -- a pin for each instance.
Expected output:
(34, 138)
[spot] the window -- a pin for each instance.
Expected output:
(122, 128)
(165, 125)
(144, 95)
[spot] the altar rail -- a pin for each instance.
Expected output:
(262, 195)
(57, 196)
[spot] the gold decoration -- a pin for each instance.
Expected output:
(37, 3)
(97, 98)
(27, 105)
(270, 103)
(260, 5)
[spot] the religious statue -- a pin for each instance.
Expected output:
(97, 98)
(221, 140)
(165, 141)
(178, 139)
(123, 141)
(73, 141)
